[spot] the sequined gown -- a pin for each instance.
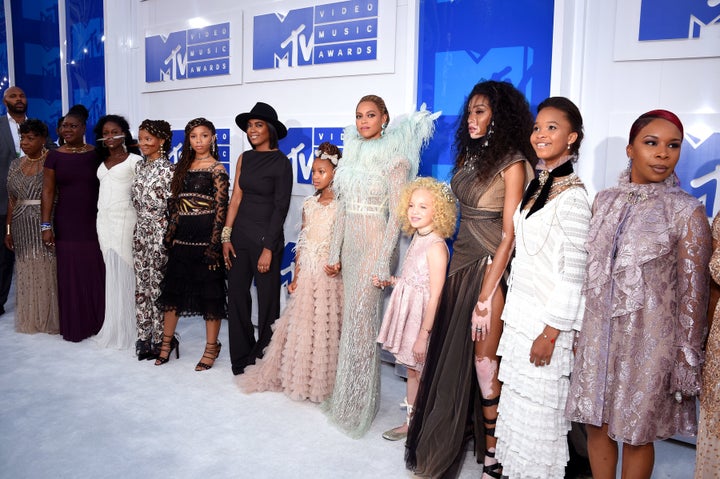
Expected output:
(80, 266)
(150, 191)
(645, 320)
(449, 397)
(368, 183)
(36, 306)
(301, 359)
(545, 288)
(115, 224)
(707, 464)
(406, 309)
(190, 286)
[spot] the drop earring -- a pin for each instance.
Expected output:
(489, 134)
(382, 129)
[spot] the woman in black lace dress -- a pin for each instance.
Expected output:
(194, 282)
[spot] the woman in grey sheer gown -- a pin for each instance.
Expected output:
(377, 162)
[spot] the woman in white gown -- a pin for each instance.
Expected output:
(115, 224)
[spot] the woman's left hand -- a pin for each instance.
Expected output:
(419, 349)
(542, 349)
(263, 264)
(380, 284)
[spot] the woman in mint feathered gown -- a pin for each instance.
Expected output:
(377, 162)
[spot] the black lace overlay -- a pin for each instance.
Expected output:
(195, 281)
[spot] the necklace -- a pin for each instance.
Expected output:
(425, 234)
(43, 153)
(203, 159)
(76, 149)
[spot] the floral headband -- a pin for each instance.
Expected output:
(325, 156)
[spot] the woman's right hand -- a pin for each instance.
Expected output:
(9, 242)
(480, 322)
(292, 286)
(332, 270)
(48, 238)
(228, 252)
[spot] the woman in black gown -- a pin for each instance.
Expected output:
(194, 282)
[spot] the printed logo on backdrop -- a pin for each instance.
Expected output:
(673, 19)
(699, 167)
(186, 54)
(223, 137)
(294, 42)
(660, 29)
(299, 145)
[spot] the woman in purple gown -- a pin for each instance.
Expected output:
(71, 172)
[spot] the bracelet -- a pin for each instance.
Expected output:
(545, 336)
(45, 227)
(225, 234)
(7, 229)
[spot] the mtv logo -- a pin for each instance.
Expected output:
(283, 40)
(699, 169)
(678, 19)
(42, 61)
(513, 64)
(300, 144)
(166, 57)
(87, 39)
(297, 145)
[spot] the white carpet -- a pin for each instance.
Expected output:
(72, 410)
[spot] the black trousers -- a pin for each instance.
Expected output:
(7, 261)
(244, 348)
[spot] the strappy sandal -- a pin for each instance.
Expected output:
(212, 351)
(169, 343)
(492, 470)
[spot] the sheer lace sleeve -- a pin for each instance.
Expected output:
(397, 176)
(173, 215)
(338, 233)
(694, 250)
(221, 184)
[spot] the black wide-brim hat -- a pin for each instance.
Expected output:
(262, 111)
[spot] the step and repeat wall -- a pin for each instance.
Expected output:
(313, 60)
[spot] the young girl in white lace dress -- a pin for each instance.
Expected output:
(428, 211)
(301, 358)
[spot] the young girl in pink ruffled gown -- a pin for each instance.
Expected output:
(428, 211)
(301, 359)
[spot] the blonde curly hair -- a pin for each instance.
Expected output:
(444, 201)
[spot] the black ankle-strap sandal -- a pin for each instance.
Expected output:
(493, 470)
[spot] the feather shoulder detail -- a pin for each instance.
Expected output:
(403, 140)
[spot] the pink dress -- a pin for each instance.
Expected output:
(405, 311)
(301, 359)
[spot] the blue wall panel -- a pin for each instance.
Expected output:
(36, 52)
(86, 57)
(464, 41)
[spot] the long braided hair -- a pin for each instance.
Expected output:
(187, 156)
(159, 129)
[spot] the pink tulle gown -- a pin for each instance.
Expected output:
(301, 359)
